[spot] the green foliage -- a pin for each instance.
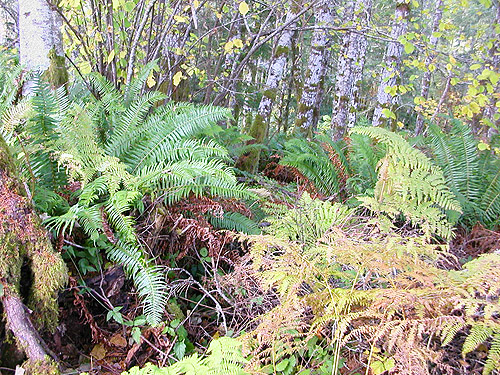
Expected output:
(12, 111)
(314, 163)
(409, 184)
(236, 222)
(308, 220)
(356, 283)
(224, 358)
(120, 148)
(472, 175)
(363, 157)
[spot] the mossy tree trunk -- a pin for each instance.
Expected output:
(350, 66)
(40, 42)
(259, 129)
(312, 92)
(391, 70)
(24, 240)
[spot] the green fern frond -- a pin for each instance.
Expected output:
(135, 87)
(148, 278)
(408, 183)
(110, 97)
(224, 358)
(478, 334)
(312, 161)
(129, 120)
(236, 222)
(186, 123)
(493, 360)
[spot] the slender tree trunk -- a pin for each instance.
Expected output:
(310, 102)
(426, 79)
(259, 129)
(8, 23)
(40, 41)
(350, 69)
(392, 64)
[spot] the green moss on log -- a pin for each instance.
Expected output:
(45, 367)
(23, 237)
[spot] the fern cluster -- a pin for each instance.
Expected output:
(473, 176)
(333, 167)
(12, 111)
(224, 358)
(114, 150)
(384, 292)
(409, 184)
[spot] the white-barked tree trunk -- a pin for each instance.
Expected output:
(392, 64)
(310, 101)
(350, 67)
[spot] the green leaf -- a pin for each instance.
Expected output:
(180, 350)
(203, 252)
(129, 6)
(388, 113)
(136, 335)
(409, 47)
(282, 365)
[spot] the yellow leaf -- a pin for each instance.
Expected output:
(228, 47)
(85, 67)
(238, 43)
(177, 78)
(243, 8)
(98, 37)
(150, 81)
(483, 146)
(453, 61)
(196, 3)
(180, 19)
(111, 56)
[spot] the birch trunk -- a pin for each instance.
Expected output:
(8, 23)
(426, 79)
(310, 102)
(350, 69)
(40, 41)
(392, 64)
(259, 128)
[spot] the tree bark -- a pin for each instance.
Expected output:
(392, 64)
(426, 79)
(310, 101)
(259, 129)
(40, 41)
(350, 66)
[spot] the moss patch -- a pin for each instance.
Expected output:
(56, 74)
(22, 236)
